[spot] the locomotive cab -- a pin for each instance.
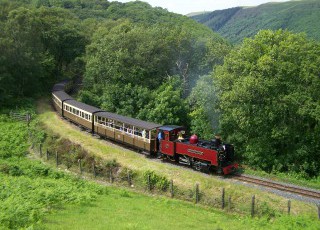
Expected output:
(166, 136)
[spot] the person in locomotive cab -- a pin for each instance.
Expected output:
(159, 138)
(217, 141)
(180, 137)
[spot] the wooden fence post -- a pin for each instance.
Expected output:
(28, 119)
(40, 150)
(80, 166)
(222, 198)
(94, 170)
(110, 175)
(47, 154)
(171, 188)
(229, 203)
(129, 178)
(149, 183)
(252, 205)
(289, 206)
(57, 159)
(197, 193)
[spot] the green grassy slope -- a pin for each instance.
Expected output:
(240, 22)
(122, 209)
(29, 189)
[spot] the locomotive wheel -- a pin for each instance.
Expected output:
(222, 157)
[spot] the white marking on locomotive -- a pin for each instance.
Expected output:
(195, 151)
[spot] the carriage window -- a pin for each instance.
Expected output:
(129, 129)
(138, 132)
(110, 123)
(119, 125)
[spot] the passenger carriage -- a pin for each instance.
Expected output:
(130, 131)
(80, 113)
(59, 97)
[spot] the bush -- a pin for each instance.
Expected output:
(156, 181)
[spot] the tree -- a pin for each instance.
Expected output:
(167, 107)
(37, 45)
(125, 99)
(62, 36)
(269, 99)
(124, 52)
(25, 63)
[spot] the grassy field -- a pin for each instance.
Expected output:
(183, 177)
(122, 209)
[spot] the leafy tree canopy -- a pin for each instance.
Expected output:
(269, 99)
(37, 46)
(167, 105)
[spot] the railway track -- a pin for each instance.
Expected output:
(279, 186)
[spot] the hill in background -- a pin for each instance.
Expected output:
(237, 23)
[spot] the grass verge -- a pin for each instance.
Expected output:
(123, 209)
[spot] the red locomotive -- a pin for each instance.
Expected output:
(150, 138)
(199, 154)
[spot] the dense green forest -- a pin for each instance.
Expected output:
(151, 64)
(237, 23)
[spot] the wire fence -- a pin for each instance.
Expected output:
(76, 159)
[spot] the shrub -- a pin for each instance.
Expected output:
(156, 181)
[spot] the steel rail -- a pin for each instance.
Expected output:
(283, 187)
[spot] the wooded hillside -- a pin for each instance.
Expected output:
(237, 23)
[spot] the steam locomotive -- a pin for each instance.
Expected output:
(166, 141)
